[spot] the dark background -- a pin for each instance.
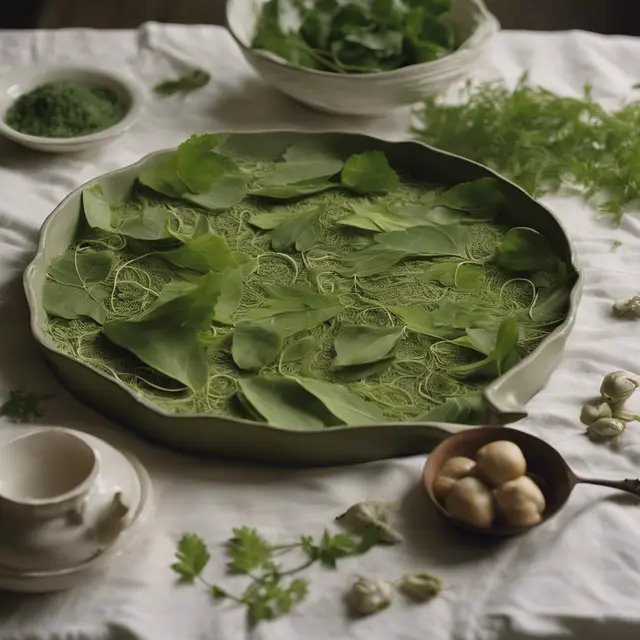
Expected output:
(604, 16)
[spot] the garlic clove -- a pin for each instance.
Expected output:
(471, 501)
(501, 461)
(590, 413)
(452, 470)
(619, 385)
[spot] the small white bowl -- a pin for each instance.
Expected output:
(368, 94)
(23, 80)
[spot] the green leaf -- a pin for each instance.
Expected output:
(254, 347)
(427, 240)
(299, 350)
(166, 337)
(330, 548)
(550, 305)
(161, 175)
(359, 344)
(23, 406)
(226, 192)
(291, 191)
(523, 249)
(482, 199)
(361, 371)
(282, 403)
(369, 172)
(460, 315)
(192, 556)
(310, 148)
(152, 223)
(456, 275)
(209, 252)
(375, 217)
(74, 288)
(247, 550)
(344, 405)
(273, 218)
(302, 232)
(198, 167)
(97, 210)
(421, 321)
(502, 357)
(187, 83)
(302, 172)
(371, 260)
(467, 409)
(218, 593)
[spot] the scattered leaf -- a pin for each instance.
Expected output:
(23, 406)
(299, 350)
(301, 232)
(369, 172)
(360, 344)
(187, 83)
(193, 556)
(255, 347)
(523, 249)
(456, 275)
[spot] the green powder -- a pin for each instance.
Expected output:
(65, 110)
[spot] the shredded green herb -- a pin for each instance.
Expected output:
(65, 110)
(543, 141)
(185, 84)
(356, 37)
(336, 299)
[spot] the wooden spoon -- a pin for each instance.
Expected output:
(545, 465)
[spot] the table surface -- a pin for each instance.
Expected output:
(578, 576)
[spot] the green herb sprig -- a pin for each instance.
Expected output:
(23, 406)
(271, 592)
(184, 84)
(543, 141)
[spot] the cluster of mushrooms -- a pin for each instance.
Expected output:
(492, 488)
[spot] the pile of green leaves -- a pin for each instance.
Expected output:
(543, 141)
(355, 36)
(355, 299)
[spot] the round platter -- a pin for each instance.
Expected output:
(223, 436)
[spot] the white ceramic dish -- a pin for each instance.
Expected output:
(69, 502)
(373, 93)
(22, 80)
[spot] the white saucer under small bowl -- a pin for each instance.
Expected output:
(20, 81)
(69, 505)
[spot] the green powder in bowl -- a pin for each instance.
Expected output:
(65, 110)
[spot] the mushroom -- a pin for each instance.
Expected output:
(501, 461)
(520, 502)
(471, 501)
(452, 470)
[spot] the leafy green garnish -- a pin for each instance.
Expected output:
(75, 285)
(269, 594)
(187, 83)
(23, 406)
(192, 557)
(481, 199)
(457, 275)
(356, 37)
(167, 335)
(254, 346)
(543, 141)
(299, 350)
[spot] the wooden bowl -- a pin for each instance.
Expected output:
(544, 464)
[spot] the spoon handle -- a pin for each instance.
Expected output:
(630, 485)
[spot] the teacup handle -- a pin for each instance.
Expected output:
(630, 485)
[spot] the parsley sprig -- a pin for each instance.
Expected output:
(272, 591)
(23, 406)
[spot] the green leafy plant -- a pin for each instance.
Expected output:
(23, 406)
(361, 37)
(543, 141)
(271, 592)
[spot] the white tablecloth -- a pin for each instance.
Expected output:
(578, 576)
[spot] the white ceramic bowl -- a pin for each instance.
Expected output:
(22, 80)
(373, 93)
